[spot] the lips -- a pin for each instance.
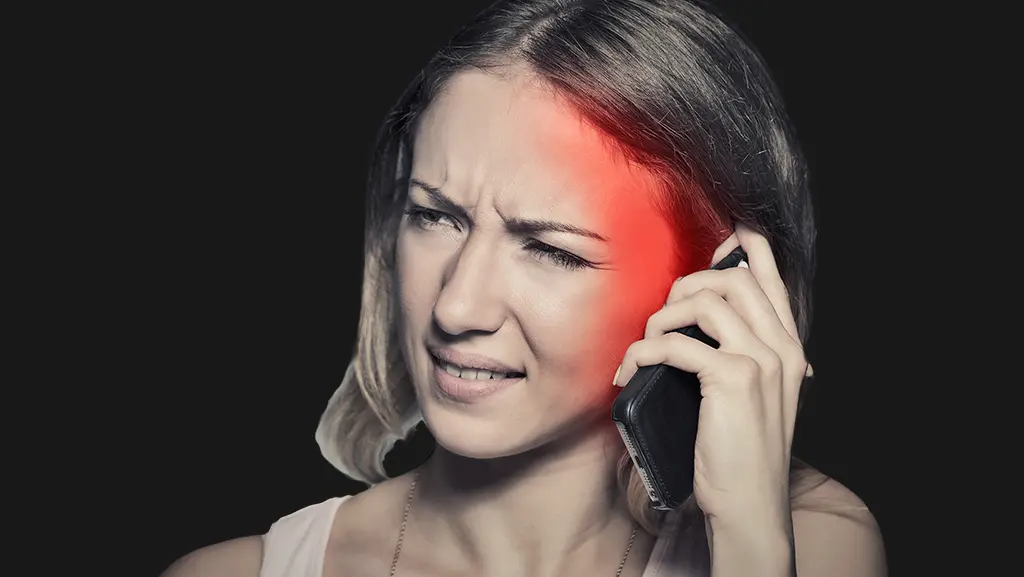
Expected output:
(469, 365)
(466, 378)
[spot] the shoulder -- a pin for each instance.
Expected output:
(834, 530)
(294, 545)
(235, 558)
(362, 538)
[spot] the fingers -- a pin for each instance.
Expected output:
(707, 310)
(725, 248)
(740, 289)
(758, 294)
(673, 349)
(763, 266)
(742, 292)
(733, 375)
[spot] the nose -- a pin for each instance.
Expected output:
(470, 298)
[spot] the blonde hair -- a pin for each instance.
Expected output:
(375, 405)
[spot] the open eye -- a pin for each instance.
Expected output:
(427, 218)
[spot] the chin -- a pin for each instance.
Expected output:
(501, 436)
(476, 436)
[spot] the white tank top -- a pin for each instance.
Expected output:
(296, 545)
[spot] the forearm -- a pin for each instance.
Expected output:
(752, 547)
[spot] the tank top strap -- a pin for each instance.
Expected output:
(295, 545)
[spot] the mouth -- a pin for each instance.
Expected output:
(471, 374)
(473, 367)
(465, 378)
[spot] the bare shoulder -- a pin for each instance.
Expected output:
(817, 493)
(365, 529)
(235, 558)
(834, 530)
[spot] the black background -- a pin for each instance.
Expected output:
(249, 132)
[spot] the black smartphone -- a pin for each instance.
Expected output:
(656, 414)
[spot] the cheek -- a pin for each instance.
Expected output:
(417, 271)
(646, 266)
(623, 305)
(587, 324)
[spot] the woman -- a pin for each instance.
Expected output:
(543, 201)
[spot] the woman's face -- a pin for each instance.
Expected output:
(529, 258)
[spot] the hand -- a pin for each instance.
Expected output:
(749, 385)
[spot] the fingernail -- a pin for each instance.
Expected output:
(615, 379)
(808, 373)
(743, 264)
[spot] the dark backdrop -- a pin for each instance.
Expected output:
(254, 132)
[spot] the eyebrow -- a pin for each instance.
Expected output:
(530, 226)
(522, 226)
(439, 198)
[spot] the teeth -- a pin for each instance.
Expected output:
(471, 374)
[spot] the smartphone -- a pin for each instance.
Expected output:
(656, 414)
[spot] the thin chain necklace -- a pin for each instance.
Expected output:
(405, 520)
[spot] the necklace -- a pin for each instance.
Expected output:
(405, 519)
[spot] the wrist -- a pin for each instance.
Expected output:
(756, 544)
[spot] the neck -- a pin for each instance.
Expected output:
(537, 513)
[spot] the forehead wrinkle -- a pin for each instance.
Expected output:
(495, 164)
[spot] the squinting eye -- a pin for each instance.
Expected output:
(426, 218)
(558, 256)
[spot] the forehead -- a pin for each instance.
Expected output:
(511, 139)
